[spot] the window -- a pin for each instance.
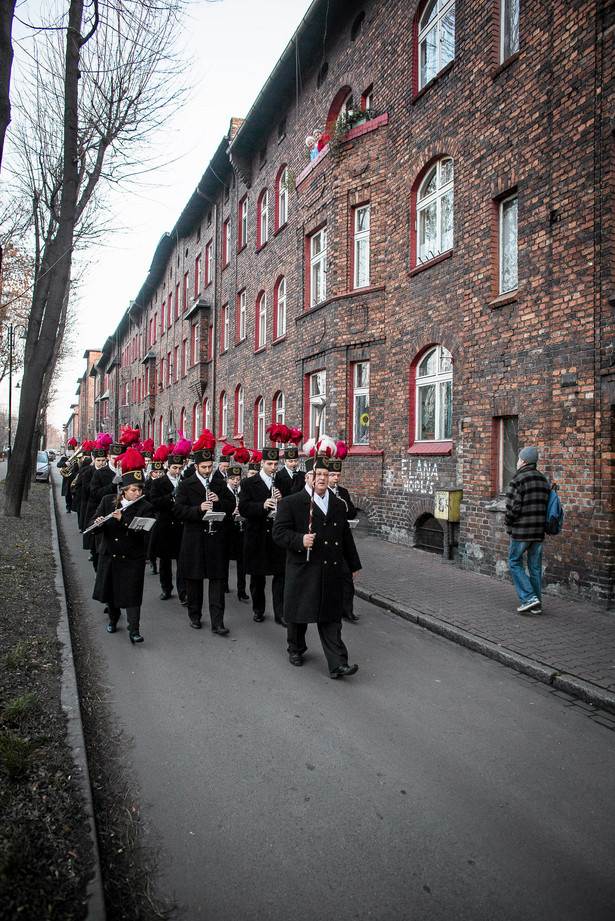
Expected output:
(184, 357)
(239, 410)
(263, 219)
(279, 309)
(434, 396)
(261, 320)
(357, 26)
(361, 247)
(176, 302)
(206, 414)
(195, 421)
(194, 344)
(169, 369)
(360, 403)
(170, 310)
(434, 208)
(318, 267)
(436, 39)
(224, 328)
(197, 275)
(317, 387)
(509, 29)
(367, 97)
(223, 428)
(259, 423)
(162, 312)
(161, 378)
(185, 292)
(176, 362)
(208, 263)
(279, 408)
(281, 198)
(242, 230)
(226, 242)
(505, 450)
(210, 342)
(241, 315)
(161, 431)
(508, 245)
(282, 129)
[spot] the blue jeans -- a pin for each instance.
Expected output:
(526, 588)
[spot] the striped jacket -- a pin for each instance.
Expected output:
(527, 498)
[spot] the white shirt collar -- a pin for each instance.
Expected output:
(321, 502)
(203, 480)
(267, 480)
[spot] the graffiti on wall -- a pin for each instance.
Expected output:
(415, 476)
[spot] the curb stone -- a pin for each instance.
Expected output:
(70, 705)
(584, 690)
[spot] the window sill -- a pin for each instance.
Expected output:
(261, 348)
(241, 248)
(279, 339)
(353, 292)
(226, 265)
(260, 248)
(504, 299)
(427, 265)
(424, 89)
(239, 341)
(431, 448)
(495, 73)
(280, 228)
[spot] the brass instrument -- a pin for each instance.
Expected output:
(67, 469)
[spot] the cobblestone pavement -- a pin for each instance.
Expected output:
(572, 644)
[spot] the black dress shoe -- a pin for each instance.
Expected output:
(183, 599)
(295, 659)
(242, 596)
(136, 638)
(164, 596)
(153, 569)
(343, 671)
(196, 624)
(220, 630)
(111, 628)
(281, 620)
(352, 618)
(259, 618)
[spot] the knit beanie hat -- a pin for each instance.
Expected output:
(529, 455)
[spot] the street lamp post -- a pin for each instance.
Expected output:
(12, 329)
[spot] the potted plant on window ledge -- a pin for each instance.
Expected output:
(351, 118)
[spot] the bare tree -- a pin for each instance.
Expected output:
(101, 84)
(7, 9)
(16, 278)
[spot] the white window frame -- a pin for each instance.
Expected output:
(509, 38)
(361, 240)
(239, 423)
(436, 381)
(264, 218)
(283, 198)
(508, 244)
(281, 309)
(224, 415)
(444, 188)
(260, 423)
(227, 241)
(426, 28)
(197, 275)
(318, 267)
(357, 412)
(317, 387)
(243, 307)
(244, 223)
(261, 319)
(207, 414)
(280, 409)
(226, 326)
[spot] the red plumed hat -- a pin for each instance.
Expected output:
(228, 451)
(133, 464)
(296, 436)
(72, 443)
(129, 436)
(242, 455)
(161, 454)
(147, 446)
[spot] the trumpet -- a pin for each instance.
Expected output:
(67, 469)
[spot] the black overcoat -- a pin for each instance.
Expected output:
(351, 512)
(288, 484)
(314, 589)
(67, 480)
(234, 526)
(100, 485)
(81, 491)
(121, 564)
(261, 556)
(167, 533)
(204, 554)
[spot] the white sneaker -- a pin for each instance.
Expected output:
(528, 605)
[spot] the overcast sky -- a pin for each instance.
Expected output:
(236, 44)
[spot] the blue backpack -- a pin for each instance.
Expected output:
(555, 512)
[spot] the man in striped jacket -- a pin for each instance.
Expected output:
(527, 498)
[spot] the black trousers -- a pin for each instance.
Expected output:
(133, 616)
(257, 592)
(348, 583)
(194, 596)
(330, 632)
(165, 568)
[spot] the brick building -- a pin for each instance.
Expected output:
(442, 270)
(82, 421)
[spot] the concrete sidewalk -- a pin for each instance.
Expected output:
(571, 646)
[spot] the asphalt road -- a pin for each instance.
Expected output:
(435, 784)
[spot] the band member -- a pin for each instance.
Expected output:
(121, 563)
(335, 472)
(155, 471)
(166, 539)
(261, 556)
(81, 484)
(219, 476)
(313, 530)
(70, 472)
(235, 525)
(204, 547)
(289, 478)
(101, 478)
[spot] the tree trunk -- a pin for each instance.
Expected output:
(7, 9)
(51, 287)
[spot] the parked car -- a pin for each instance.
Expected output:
(42, 467)
(51, 454)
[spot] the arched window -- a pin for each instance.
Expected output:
(434, 396)
(261, 321)
(262, 220)
(223, 425)
(279, 408)
(195, 421)
(160, 431)
(339, 104)
(281, 197)
(279, 309)
(436, 39)
(182, 422)
(434, 212)
(259, 423)
(239, 410)
(206, 414)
